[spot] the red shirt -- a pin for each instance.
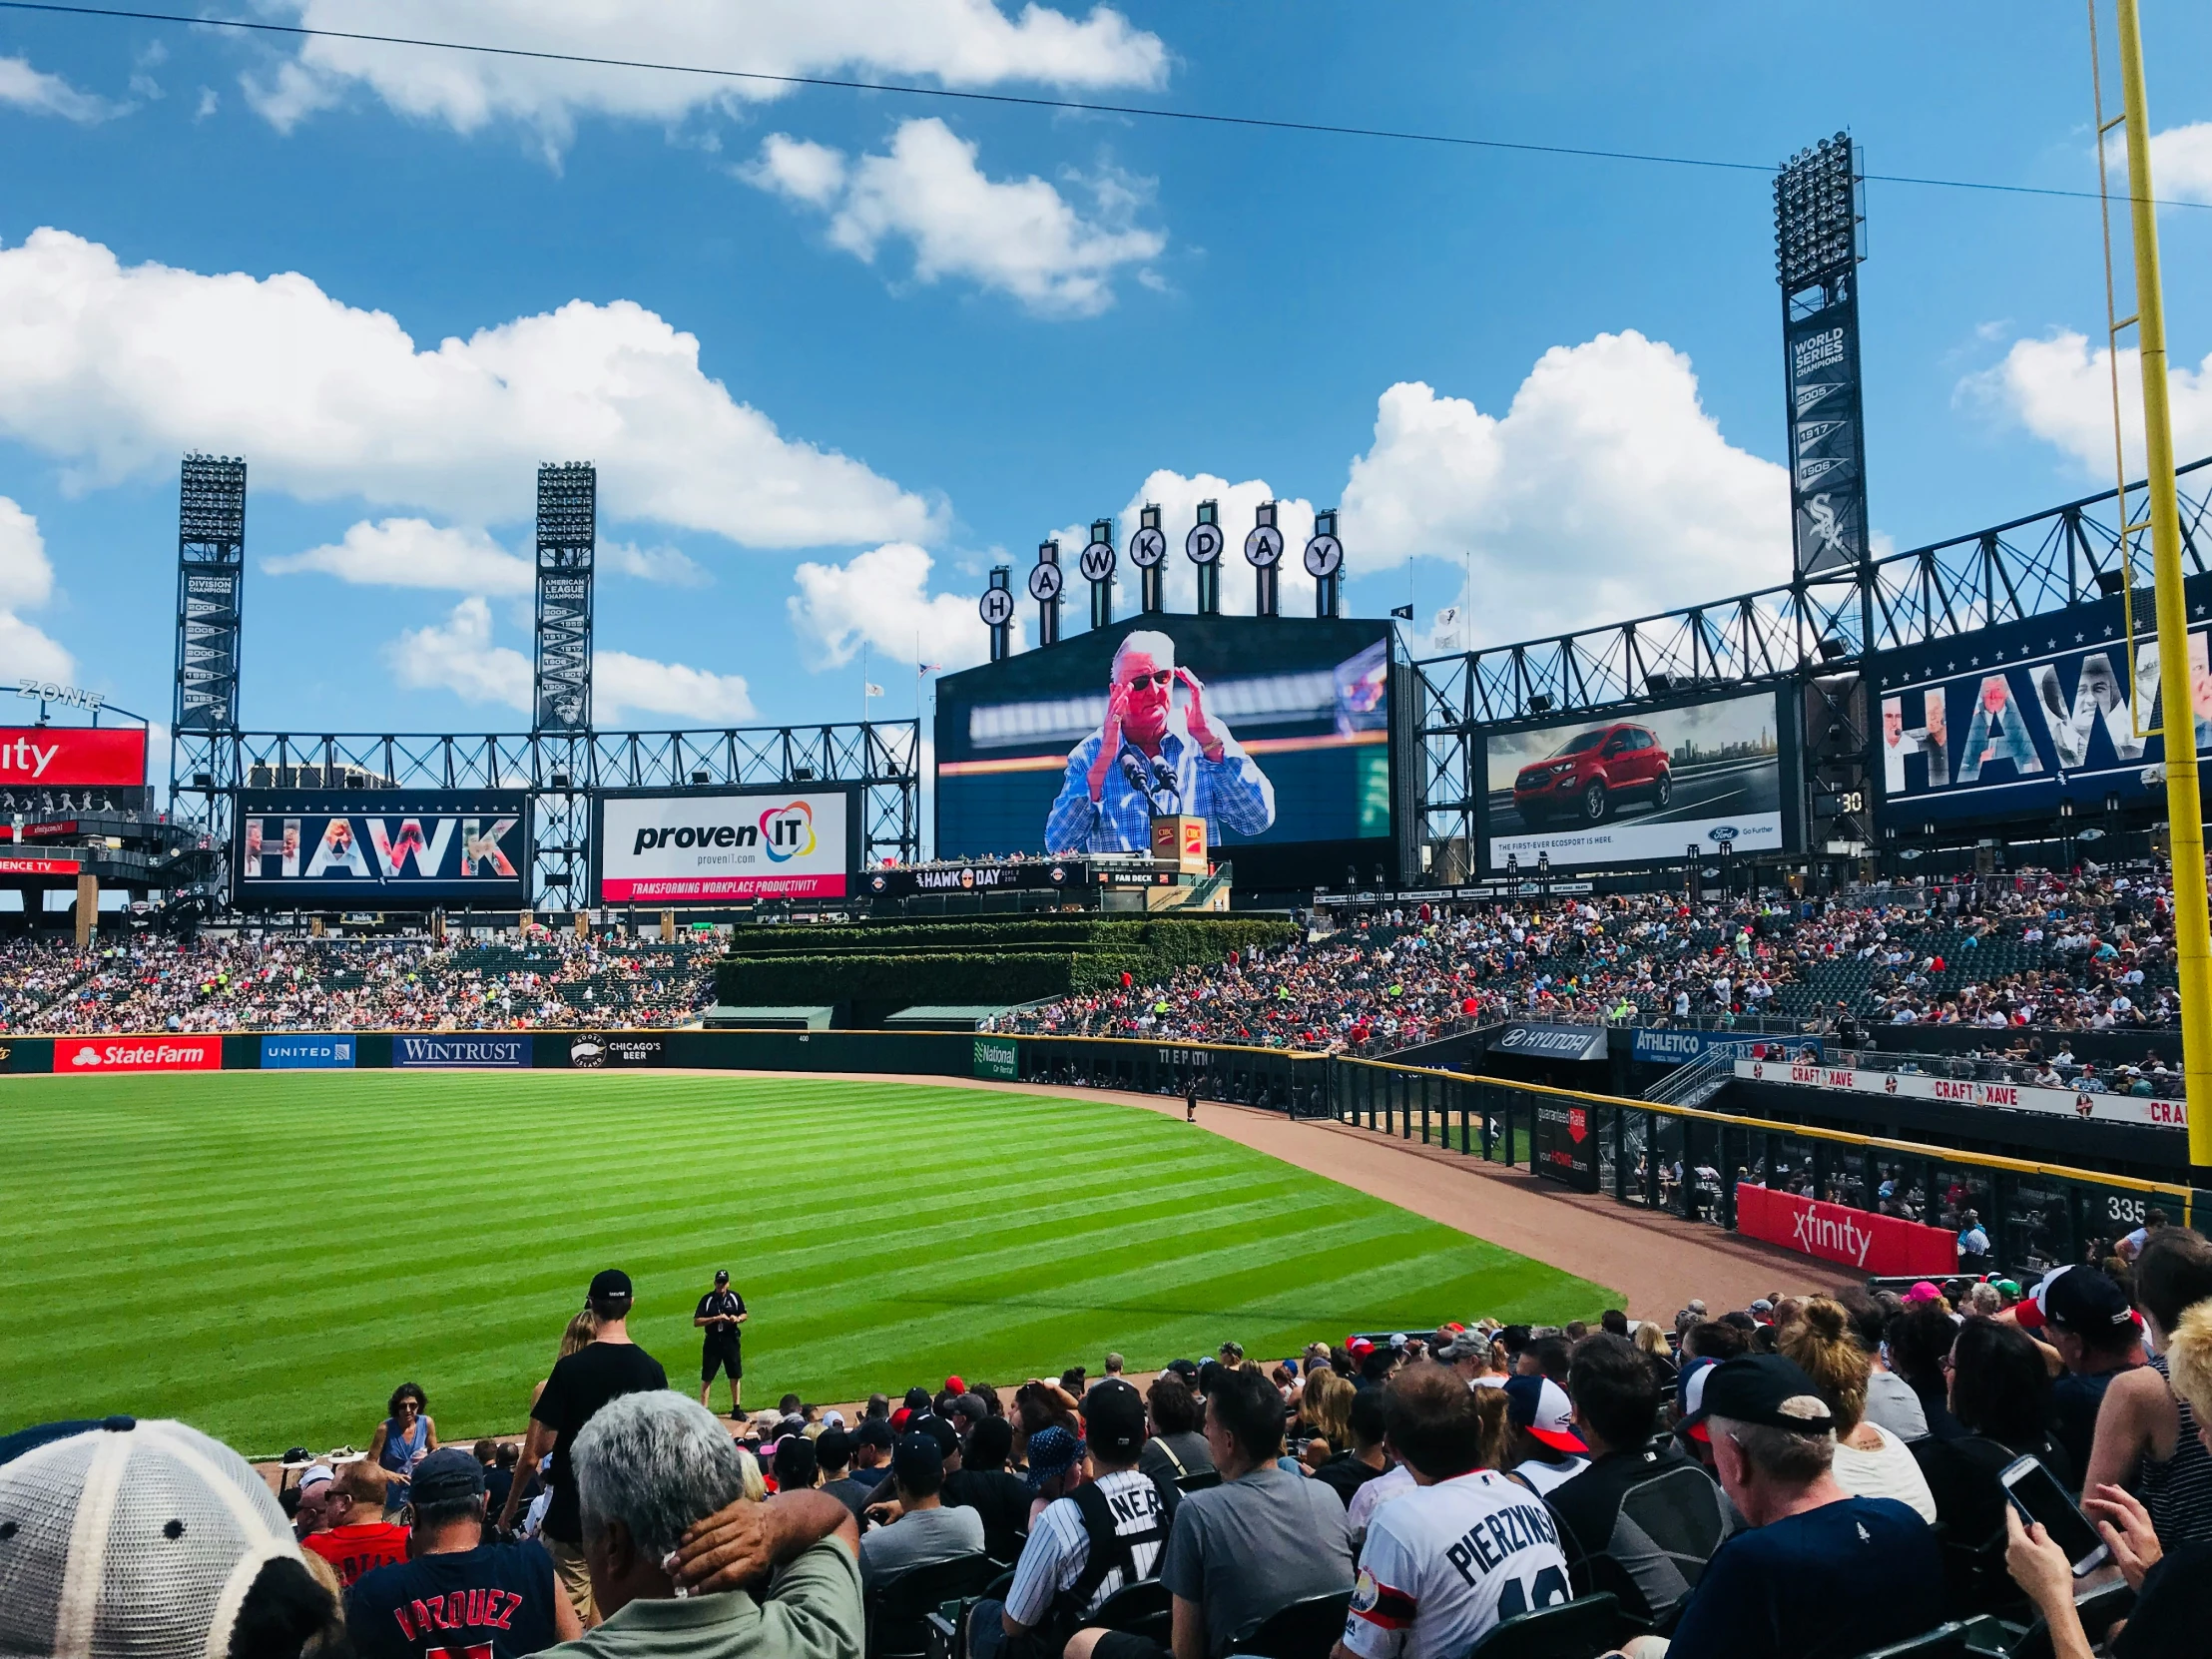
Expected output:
(353, 1550)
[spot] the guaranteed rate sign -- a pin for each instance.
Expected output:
(384, 850)
(705, 849)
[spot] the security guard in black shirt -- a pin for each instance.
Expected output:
(718, 1314)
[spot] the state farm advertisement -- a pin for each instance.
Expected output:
(86, 1055)
(2100, 1104)
(1857, 1239)
(703, 849)
(58, 756)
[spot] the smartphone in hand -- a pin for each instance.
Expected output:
(2034, 1491)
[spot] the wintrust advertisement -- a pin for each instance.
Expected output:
(85, 1056)
(717, 846)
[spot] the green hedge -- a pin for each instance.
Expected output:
(1179, 940)
(876, 971)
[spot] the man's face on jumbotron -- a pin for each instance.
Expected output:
(1150, 689)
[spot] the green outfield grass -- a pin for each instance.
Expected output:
(267, 1256)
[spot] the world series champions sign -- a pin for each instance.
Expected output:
(1816, 257)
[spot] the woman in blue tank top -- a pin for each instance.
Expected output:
(403, 1441)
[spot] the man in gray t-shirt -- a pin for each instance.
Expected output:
(1243, 1550)
(922, 1531)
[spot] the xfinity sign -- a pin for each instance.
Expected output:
(715, 846)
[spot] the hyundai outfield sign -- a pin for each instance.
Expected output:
(457, 1052)
(382, 849)
(1553, 1042)
(715, 847)
(296, 1053)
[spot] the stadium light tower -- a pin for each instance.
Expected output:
(567, 545)
(1817, 255)
(210, 583)
(2184, 804)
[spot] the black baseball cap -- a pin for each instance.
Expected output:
(917, 1463)
(2083, 1301)
(946, 1436)
(833, 1448)
(1766, 1390)
(874, 1431)
(722, 1276)
(609, 1284)
(449, 1474)
(1112, 1420)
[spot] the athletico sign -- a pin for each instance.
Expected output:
(1960, 1091)
(1857, 1239)
(72, 756)
(137, 1054)
(703, 848)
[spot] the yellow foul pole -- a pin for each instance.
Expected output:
(2185, 809)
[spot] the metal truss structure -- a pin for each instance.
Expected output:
(883, 757)
(1816, 632)
(211, 582)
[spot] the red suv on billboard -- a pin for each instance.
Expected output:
(1583, 779)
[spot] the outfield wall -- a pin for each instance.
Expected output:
(1639, 1152)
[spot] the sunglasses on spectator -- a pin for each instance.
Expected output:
(1162, 678)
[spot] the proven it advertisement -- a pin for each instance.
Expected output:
(382, 849)
(1640, 788)
(85, 1056)
(717, 846)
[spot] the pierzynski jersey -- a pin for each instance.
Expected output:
(1444, 1564)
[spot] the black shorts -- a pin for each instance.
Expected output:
(719, 1355)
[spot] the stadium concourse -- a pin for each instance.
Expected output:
(2087, 950)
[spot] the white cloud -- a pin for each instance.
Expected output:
(1605, 490)
(458, 654)
(26, 582)
(2180, 163)
(113, 370)
(670, 567)
(1018, 236)
(961, 43)
(622, 685)
(880, 599)
(2061, 392)
(414, 553)
(38, 93)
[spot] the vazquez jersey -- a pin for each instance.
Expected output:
(1444, 1564)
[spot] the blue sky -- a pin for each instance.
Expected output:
(836, 353)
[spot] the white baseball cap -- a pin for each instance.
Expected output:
(131, 1539)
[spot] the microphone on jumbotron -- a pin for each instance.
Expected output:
(1170, 786)
(1133, 768)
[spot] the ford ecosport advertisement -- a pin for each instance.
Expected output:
(1637, 788)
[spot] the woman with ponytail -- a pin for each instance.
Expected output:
(1869, 1461)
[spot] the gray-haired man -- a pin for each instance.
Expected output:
(1145, 763)
(660, 1490)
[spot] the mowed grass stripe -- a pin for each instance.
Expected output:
(267, 1255)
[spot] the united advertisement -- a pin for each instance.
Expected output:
(2008, 722)
(1639, 788)
(382, 849)
(717, 846)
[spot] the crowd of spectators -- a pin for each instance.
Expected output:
(1812, 1475)
(2090, 950)
(253, 981)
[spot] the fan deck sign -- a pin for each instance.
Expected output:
(383, 849)
(85, 1056)
(698, 849)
